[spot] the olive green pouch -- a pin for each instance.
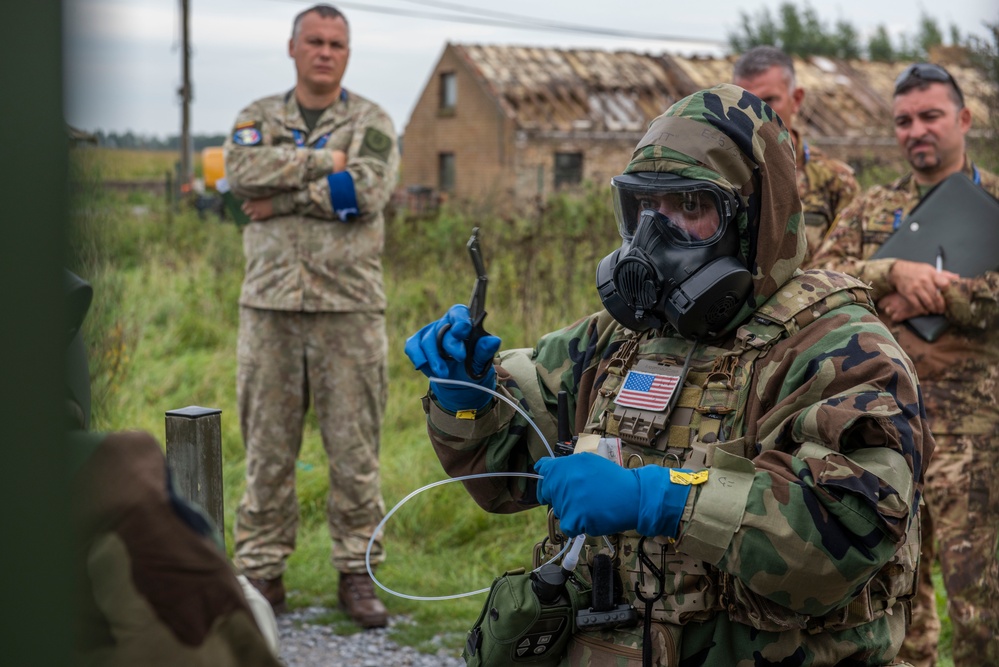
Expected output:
(516, 628)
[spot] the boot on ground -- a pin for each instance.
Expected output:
(357, 597)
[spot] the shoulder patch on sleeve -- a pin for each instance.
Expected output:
(376, 143)
(247, 134)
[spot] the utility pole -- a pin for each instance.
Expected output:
(186, 174)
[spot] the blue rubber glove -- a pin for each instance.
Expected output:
(594, 496)
(421, 348)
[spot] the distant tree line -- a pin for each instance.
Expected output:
(132, 140)
(984, 52)
(803, 33)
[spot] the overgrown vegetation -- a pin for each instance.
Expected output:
(162, 335)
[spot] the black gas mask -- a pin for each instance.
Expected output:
(679, 262)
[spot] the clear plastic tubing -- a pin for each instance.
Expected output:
(572, 558)
(576, 544)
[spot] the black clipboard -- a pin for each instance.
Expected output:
(957, 221)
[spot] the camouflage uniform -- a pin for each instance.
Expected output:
(157, 589)
(311, 319)
(958, 375)
(800, 548)
(825, 186)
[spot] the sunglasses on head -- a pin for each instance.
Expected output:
(926, 72)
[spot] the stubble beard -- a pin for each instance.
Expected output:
(924, 160)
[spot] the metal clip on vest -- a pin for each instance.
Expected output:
(605, 612)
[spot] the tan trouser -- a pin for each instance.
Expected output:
(339, 361)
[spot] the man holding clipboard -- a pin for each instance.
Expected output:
(959, 368)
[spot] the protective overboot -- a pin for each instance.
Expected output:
(273, 592)
(357, 597)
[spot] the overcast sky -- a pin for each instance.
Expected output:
(123, 60)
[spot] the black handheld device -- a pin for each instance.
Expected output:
(477, 309)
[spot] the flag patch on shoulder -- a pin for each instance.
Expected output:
(246, 134)
(646, 391)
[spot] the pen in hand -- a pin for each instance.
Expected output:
(940, 258)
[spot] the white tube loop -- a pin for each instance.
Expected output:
(367, 553)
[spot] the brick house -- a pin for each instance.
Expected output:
(497, 124)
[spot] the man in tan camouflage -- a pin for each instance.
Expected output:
(315, 166)
(825, 184)
(958, 372)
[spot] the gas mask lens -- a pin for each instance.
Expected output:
(691, 213)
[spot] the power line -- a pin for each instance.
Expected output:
(516, 22)
(535, 23)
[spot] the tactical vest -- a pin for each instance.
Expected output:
(709, 414)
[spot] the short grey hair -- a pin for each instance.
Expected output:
(759, 59)
(325, 11)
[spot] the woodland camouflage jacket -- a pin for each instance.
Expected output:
(322, 249)
(819, 443)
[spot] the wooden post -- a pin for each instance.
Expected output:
(194, 454)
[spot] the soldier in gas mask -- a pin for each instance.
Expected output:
(760, 436)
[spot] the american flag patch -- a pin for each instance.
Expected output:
(646, 391)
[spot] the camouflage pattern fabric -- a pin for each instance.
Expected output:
(157, 589)
(825, 186)
(339, 361)
(305, 258)
(959, 374)
(317, 261)
(623, 647)
(818, 456)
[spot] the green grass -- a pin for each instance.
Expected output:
(945, 658)
(162, 335)
(127, 165)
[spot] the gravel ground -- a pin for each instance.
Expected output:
(308, 644)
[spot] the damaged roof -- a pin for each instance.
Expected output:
(572, 90)
(552, 90)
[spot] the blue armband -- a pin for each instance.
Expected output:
(343, 197)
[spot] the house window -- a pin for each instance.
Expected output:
(568, 169)
(449, 91)
(445, 172)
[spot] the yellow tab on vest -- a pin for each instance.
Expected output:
(688, 478)
(465, 414)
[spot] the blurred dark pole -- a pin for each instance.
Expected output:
(37, 568)
(186, 146)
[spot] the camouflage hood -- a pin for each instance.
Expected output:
(730, 137)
